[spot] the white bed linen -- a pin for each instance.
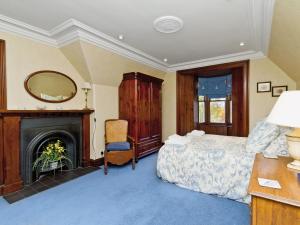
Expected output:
(211, 164)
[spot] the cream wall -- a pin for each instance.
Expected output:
(169, 105)
(284, 43)
(260, 104)
(107, 68)
(106, 106)
(24, 57)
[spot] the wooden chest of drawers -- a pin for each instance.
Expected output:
(274, 206)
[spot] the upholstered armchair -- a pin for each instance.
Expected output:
(119, 147)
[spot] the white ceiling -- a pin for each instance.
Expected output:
(212, 29)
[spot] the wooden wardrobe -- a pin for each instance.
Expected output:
(140, 104)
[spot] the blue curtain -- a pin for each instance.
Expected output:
(215, 87)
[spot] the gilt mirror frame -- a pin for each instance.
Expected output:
(45, 100)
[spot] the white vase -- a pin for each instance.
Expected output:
(53, 165)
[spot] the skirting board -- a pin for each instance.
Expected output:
(97, 162)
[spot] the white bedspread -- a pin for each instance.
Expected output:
(212, 164)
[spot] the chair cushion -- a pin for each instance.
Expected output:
(118, 146)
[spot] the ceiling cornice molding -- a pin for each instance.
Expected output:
(17, 27)
(261, 23)
(267, 24)
(73, 30)
(216, 60)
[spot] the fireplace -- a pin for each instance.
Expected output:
(36, 133)
(22, 134)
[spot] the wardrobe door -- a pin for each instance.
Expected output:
(144, 110)
(155, 110)
(128, 104)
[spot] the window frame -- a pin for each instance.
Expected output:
(207, 119)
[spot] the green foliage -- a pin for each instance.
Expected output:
(217, 112)
(52, 152)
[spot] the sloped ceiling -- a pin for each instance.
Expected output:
(285, 38)
(101, 66)
(74, 54)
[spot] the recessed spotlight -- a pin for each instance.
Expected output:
(121, 37)
(242, 44)
(165, 60)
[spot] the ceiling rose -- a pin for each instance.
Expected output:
(168, 24)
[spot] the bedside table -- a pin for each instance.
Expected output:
(271, 206)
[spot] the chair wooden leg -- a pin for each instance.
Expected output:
(133, 159)
(133, 163)
(105, 163)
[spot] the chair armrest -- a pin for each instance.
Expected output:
(130, 139)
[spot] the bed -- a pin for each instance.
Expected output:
(216, 164)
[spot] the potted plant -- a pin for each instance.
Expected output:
(52, 157)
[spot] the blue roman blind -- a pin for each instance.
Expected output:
(215, 87)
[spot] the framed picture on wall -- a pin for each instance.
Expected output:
(277, 90)
(264, 86)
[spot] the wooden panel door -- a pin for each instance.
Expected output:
(155, 110)
(3, 101)
(2, 107)
(185, 103)
(1, 155)
(144, 110)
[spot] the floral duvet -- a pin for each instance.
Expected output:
(211, 164)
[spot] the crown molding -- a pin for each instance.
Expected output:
(267, 24)
(72, 30)
(19, 28)
(216, 60)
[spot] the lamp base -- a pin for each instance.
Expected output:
(293, 140)
(295, 165)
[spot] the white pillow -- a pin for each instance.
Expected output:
(261, 136)
(279, 146)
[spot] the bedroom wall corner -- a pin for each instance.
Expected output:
(260, 104)
(106, 107)
(169, 105)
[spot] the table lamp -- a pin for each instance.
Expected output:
(286, 112)
(86, 87)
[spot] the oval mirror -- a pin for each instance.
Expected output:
(50, 86)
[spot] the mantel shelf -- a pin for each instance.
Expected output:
(47, 112)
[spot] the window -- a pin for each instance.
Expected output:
(220, 110)
(214, 98)
(201, 109)
(217, 110)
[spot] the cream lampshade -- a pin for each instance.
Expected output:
(286, 112)
(86, 85)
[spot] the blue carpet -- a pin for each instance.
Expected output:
(123, 197)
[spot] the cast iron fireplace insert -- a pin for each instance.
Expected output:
(36, 132)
